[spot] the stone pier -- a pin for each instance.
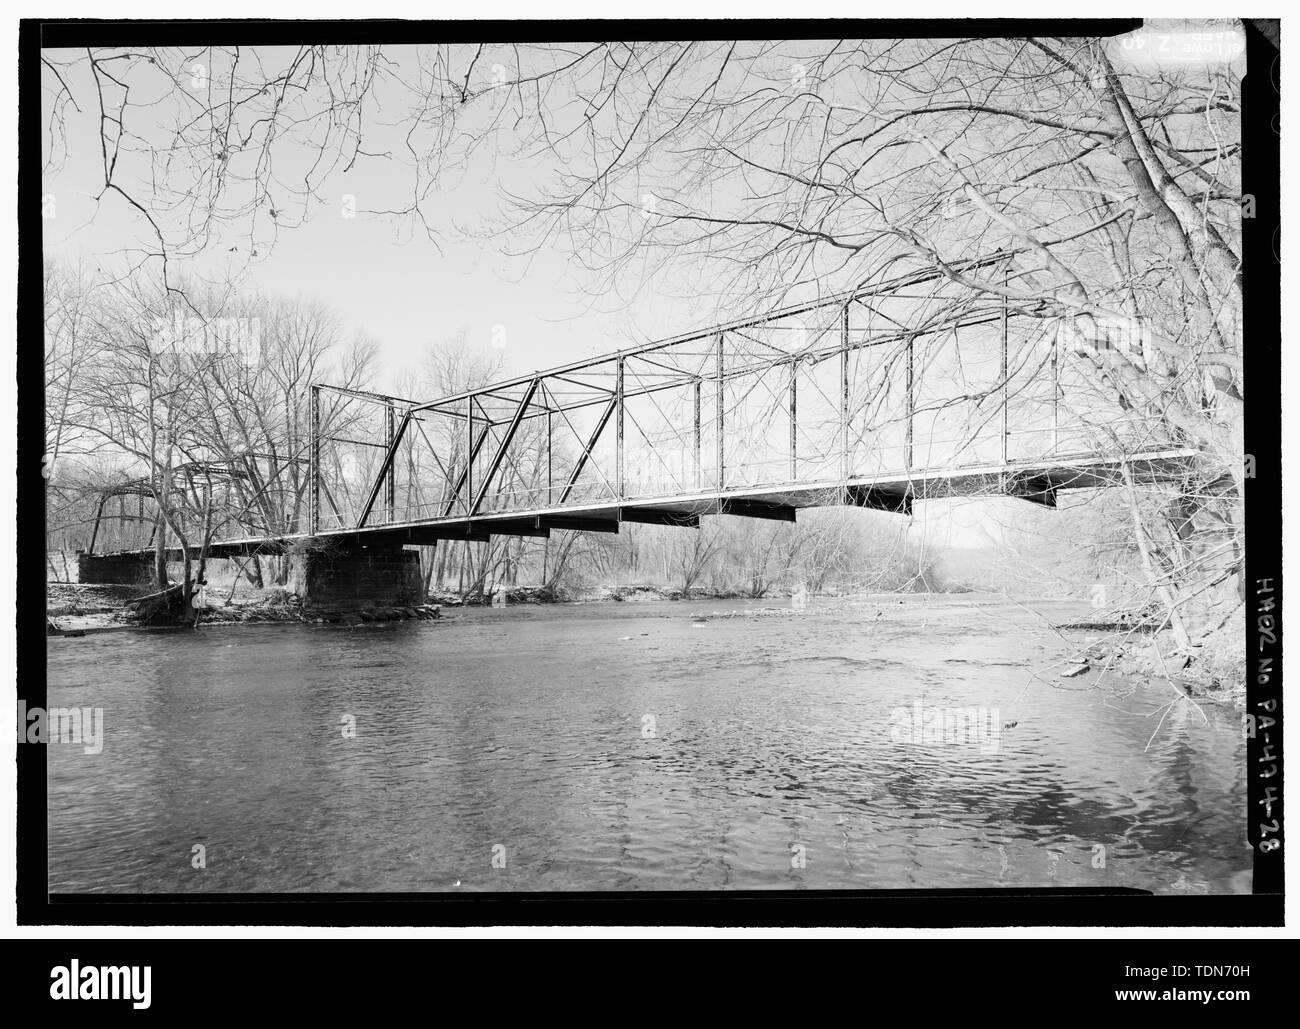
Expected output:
(121, 569)
(357, 578)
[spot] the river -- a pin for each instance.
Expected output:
(649, 746)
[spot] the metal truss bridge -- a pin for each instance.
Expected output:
(908, 389)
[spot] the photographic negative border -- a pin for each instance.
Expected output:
(912, 908)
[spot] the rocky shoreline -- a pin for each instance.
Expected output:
(643, 593)
(73, 609)
(1212, 673)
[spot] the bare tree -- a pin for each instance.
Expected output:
(211, 147)
(769, 170)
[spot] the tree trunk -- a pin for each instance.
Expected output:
(160, 552)
(253, 572)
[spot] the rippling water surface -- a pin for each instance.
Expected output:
(775, 743)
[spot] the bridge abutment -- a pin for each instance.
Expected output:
(356, 578)
(115, 569)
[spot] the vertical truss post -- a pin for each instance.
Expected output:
(1006, 423)
(698, 386)
(721, 420)
(1056, 390)
(550, 452)
(390, 497)
(794, 419)
(844, 395)
(620, 471)
(503, 447)
(470, 450)
(911, 397)
(386, 468)
(313, 467)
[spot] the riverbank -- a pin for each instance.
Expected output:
(1214, 672)
(74, 609)
(636, 593)
(569, 595)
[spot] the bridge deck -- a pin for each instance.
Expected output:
(1038, 482)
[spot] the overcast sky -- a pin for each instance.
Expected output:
(383, 276)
